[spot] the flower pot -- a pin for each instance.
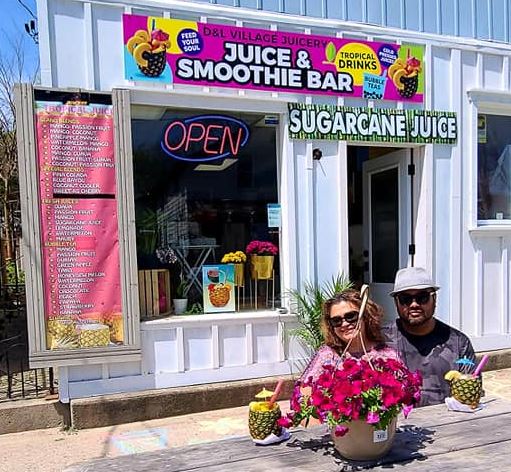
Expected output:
(239, 274)
(261, 267)
(180, 305)
(363, 442)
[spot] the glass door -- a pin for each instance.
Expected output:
(386, 224)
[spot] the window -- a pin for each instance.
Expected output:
(494, 167)
(203, 195)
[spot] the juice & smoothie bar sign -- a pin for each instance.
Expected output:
(186, 52)
(80, 244)
(371, 124)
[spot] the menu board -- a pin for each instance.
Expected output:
(78, 209)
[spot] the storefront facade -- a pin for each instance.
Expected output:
(337, 182)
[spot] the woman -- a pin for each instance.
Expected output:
(339, 323)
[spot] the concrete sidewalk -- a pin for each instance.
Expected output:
(52, 450)
(130, 407)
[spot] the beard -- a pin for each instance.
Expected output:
(418, 318)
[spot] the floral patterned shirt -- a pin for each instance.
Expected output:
(329, 356)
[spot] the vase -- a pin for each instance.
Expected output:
(180, 305)
(261, 267)
(239, 274)
(363, 442)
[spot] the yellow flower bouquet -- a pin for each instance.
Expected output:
(237, 257)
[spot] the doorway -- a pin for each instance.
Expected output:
(379, 220)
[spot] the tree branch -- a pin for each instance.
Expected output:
(31, 13)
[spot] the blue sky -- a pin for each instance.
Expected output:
(12, 19)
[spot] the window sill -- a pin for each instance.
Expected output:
(492, 229)
(216, 318)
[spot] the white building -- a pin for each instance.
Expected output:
(354, 210)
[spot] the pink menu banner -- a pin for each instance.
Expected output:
(79, 226)
(76, 151)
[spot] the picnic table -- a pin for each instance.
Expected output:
(431, 439)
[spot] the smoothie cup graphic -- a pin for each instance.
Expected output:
(216, 275)
(374, 85)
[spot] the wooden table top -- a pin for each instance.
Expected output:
(431, 439)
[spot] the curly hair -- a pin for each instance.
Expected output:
(372, 318)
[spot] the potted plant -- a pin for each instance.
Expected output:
(262, 254)
(238, 258)
(359, 401)
(167, 256)
(181, 301)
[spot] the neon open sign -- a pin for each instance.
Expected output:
(205, 138)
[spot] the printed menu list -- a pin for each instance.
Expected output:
(79, 226)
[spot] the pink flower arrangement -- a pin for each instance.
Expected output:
(355, 391)
(262, 248)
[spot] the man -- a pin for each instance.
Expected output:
(423, 342)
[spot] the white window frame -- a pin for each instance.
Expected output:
(39, 355)
(486, 103)
(210, 101)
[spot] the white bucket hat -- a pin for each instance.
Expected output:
(412, 278)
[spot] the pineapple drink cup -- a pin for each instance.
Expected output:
(405, 75)
(61, 334)
(114, 321)
(262, 416)
(61, 327)
(149, 49)
(93, 335)
(219, 294)
(219, 291)
(465, 388)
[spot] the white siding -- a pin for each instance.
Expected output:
(249, 347)
(484, 19)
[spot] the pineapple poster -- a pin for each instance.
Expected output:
(218, 288)
(169, 50)
(79, 225)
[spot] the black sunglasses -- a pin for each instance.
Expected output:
(406, 299)
(351, 318)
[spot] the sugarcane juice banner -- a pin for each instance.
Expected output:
(371, 124)
(79, 232)
(176, 51)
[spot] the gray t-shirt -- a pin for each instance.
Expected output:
(433, 355)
